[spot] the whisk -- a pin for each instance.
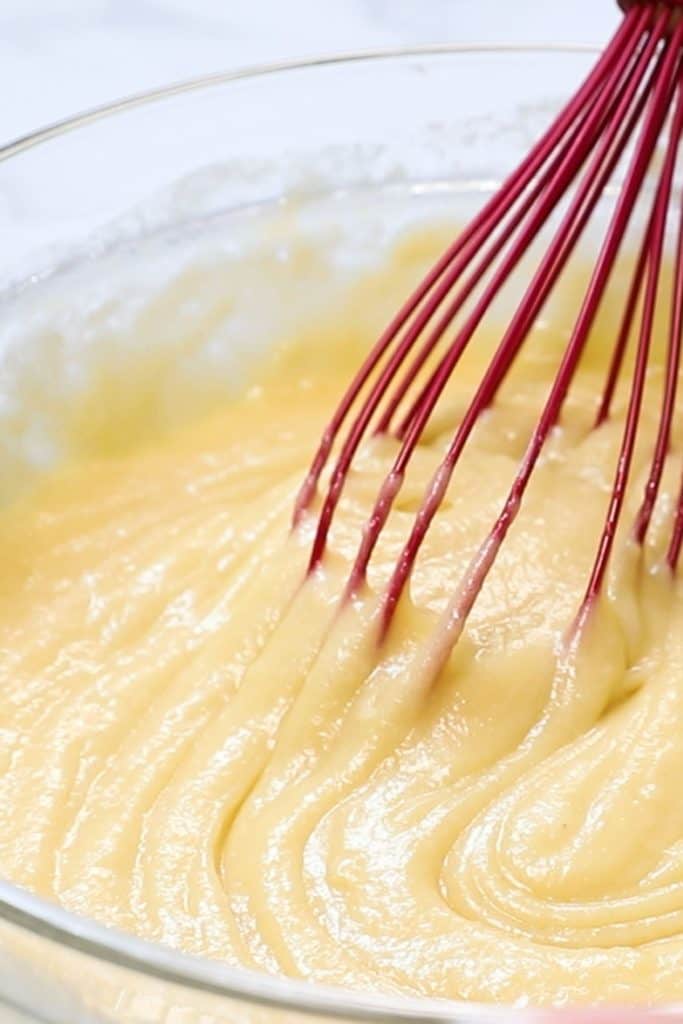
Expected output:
(624, 106)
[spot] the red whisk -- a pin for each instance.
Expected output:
(634, 91)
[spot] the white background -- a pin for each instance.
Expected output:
(60, 56)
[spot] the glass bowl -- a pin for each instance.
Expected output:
(421, 125)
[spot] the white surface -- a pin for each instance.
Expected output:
(61, 56)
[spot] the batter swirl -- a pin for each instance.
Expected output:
(197, 748)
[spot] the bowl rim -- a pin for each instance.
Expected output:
(84, 935)
(122, 104)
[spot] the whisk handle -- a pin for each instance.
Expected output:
(674, 5)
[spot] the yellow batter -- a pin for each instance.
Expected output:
(198, 749)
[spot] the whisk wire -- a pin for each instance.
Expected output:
(478, 228)
(625, 100)
(552, 193)
(567, 235)
(654, 244)
(674, 551)
(673, 360)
